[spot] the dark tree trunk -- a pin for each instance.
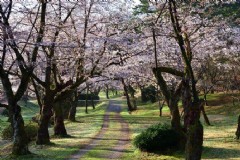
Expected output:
(72, 112)
(130, 108)
(205, 99)
(175, 116)
(194, 143)
(132, 92)
(73, 109)
(107, 92)
(86, 101)
(134, 103)
(59, 127)
(192, 124)
(171, 99)
(160, 107)
(20, 140)
(93, 103)
(205, 115)
(238, 128)
(46, 114)
(160, 111)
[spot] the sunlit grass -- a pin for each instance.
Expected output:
(219, 139)
(81, 132)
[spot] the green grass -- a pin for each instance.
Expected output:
(146, 115)
(219, 139)
(86, 127)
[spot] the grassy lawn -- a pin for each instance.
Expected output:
(86, 127)
(219, 139)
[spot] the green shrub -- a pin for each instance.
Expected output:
(149, 94)
(30, 129)
(83, 96)
(36, 118)
(7, 132)
(158, 137)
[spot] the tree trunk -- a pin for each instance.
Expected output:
(238, 128)
(73, 109)
(46, 113)
(86, 101)
(59, 127)
(192, 125)
(20, 139)
(130, 108)
(175, 116)
(93, 103)
(205, 99)
(160, 107)
(107, 92)
(72, 112)
(205, 115)
(194, 141)
(134, 103)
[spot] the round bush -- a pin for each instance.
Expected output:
(158, 137)
(30, 129)
(7, 132)
(149, 94)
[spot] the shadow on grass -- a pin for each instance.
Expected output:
(63, 136)
(178, 154)
(220, 153)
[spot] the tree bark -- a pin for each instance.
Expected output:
(73, 109)
(192, 125)
(93, 103)
(20, 140)
(59, 127)
(171, 99)
(46, 113)
(175, 115)
(205, 115)
(130, 108)
(107, 92)
(72, 112)
(160, 107)
(238, 128)
(205, 98)
(194, 143)
(86, 101)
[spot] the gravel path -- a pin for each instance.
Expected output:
(112, 152)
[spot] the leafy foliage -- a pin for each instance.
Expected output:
(231, 12)
(88, 96)
(157, 138)
(142, 8)
(149, 94)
